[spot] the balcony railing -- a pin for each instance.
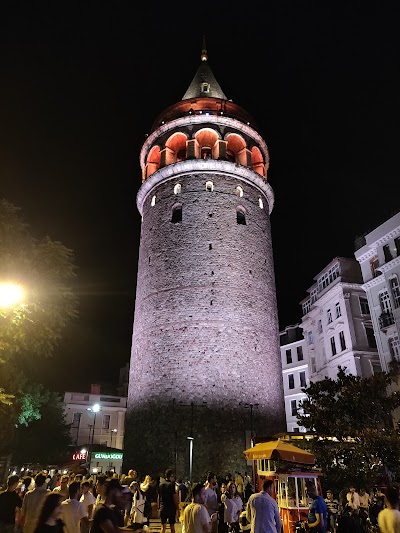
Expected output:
(386, 319)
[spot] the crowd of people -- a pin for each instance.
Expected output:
(112, 503)
(77, 503)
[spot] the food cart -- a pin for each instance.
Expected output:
(290, 468)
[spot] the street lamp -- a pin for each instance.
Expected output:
(94, 409)
(251, 406)
(10, 294)
(190, 439)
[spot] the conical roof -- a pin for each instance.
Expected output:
(204, 84)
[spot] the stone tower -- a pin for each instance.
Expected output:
(205, 359)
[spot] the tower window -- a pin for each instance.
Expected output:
(176, 213)
(205, 87)
(240, 215)
(153, 201)
(260, 203)
(206, 152)
(209, 186)
(239, 191)
(177, 188)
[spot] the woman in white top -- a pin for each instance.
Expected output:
(137, 517)
(233, 507)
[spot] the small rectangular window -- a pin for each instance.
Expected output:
(291, 381)
(329, 316)
(106, 422)
(300, 356)
(338, 310)
(387, 253)
(293, 407)
(176, 214)
(333, 346)
(76, 420)
(288, 356)
(302, 379)
(370, 337)
(397, 245)
(342, 340)
(364, 306)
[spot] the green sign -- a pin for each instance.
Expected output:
(105, 455)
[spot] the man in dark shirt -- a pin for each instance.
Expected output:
(318, 512)
(168, 501)
(10, 503)
(107, 516)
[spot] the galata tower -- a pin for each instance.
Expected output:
(205, 360)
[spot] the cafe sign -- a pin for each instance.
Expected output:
(105, 455)
(79, 456)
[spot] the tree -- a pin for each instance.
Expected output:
(353, 420)
(32, 328)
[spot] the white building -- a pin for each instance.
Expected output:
(295, 373)
(379, 259)
(337, 331)
(90, 428)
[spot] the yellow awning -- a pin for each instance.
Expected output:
(278, 449)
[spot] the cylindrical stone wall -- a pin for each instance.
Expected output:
(205, 340)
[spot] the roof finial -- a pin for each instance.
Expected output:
(204, 50)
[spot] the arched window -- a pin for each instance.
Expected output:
(241, 215)
(206, 152)
(176, 213)
(209, 186)
(239, 192)
(177, 188)
(260, 203)
(153, 201)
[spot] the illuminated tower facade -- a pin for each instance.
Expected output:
(205, 359)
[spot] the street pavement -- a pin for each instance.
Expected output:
(155, 526)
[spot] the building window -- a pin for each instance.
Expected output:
(387, 253)
(329, 316)
(397, 245)
(76, 420)
(338, 311)
(260, 203)
(300, 356)
(206, 152)
(293, 407)
(306, 307)
(106, 422)
(296, 430)
(342, 340)
(333, 346)
(209, 186)
(288, 356)
(374, 265)
(394, 347)
(291, 381)
(384, 301)
(239, 191)
(176, 213)
(395, 288)
(302, 379)
(205, 87)
(370, 337)
(364, 306)
(320, 326)
(153, 201)
(178, 188)
(310, 338)
(240, 215)
(313, 365)
(328, 277)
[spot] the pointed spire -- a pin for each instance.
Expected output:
(204, 56)
(204, 84)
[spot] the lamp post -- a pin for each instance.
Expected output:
(190, 437)
(94, 409)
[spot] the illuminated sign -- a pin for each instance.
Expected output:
(105, 455)
(79, 457)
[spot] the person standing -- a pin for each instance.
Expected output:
(196, 518)
(107, 516)
(353, 499)
(87, 498)
(168, 501)
(262, 511)
(49, 517)
(389, 518)
(73, 512)
(32, 503)
(10, 505)
(333, 508)
(317, 519)
(233, 507)
(211, 502)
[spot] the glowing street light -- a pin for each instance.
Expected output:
(10, 294)
(95, 409)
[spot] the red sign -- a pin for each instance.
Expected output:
(79, 457)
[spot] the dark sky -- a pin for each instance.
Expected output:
(80, 86)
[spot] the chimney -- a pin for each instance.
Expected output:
(94, 388)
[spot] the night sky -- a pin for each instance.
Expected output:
(81, 84)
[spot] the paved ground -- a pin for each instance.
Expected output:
(155, 526)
